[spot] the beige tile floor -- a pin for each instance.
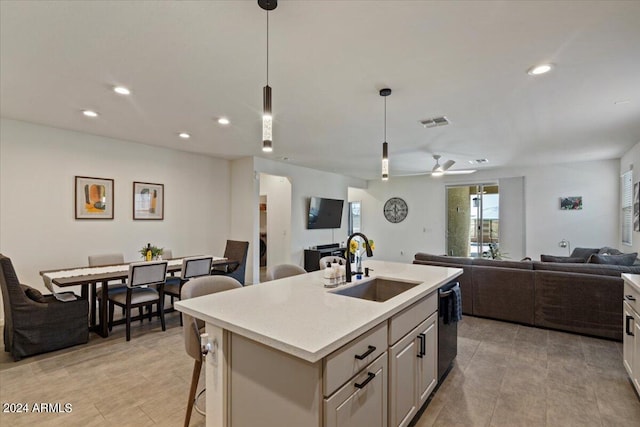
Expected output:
(504, 375)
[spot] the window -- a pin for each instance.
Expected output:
(626, 192)
(354, 217)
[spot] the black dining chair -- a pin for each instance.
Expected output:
(191, 267)
(236, 254)
(145, 286)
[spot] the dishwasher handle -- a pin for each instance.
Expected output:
(626, 324)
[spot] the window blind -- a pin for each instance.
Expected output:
(627, 206)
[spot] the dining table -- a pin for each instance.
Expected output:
(89, 277)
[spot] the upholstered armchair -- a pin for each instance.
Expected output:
(36, 323)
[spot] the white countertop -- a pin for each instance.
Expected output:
(633, 280)
(299, 316)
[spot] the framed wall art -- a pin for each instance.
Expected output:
(148, 201)
(571, 203)
(93, 198)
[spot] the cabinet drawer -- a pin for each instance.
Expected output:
(348, 360)
(408, 318)
(632, 297)
(362, 401)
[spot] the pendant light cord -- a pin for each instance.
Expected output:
(267, 48)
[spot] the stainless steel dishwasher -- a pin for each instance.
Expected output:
(447, 328)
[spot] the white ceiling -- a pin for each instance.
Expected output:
(189, 62)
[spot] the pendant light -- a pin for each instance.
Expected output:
(267, 119)
(385, 147)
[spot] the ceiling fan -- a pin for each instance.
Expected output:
(443, 169)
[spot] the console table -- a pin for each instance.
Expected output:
(312, 256)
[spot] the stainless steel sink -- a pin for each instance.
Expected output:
(378, 289)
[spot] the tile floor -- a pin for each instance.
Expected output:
(504, 375)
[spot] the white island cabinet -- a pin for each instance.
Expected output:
(291, 352)
(631, 328)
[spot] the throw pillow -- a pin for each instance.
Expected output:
(624, 259)
(583, 253)
(34, 294)
(553, 258)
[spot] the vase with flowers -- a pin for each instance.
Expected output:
(358, 250)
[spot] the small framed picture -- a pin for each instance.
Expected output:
(571, 203)
(148, 201)
(93, 198)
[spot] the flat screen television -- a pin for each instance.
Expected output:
(325, 213)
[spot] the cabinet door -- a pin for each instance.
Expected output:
(403, 379)
(428, 363)
(362, 402)
(628, 322)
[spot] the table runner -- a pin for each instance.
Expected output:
(88, 271)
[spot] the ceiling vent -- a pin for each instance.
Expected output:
(478, 161)
(434, 121)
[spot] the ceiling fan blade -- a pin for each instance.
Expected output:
(460, 172)
(447, 165)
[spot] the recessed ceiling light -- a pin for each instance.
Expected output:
(90, 113)
(184, 135)
(121, 90)
(223, 121)
(539, 69)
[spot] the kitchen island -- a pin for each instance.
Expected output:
(292, 352)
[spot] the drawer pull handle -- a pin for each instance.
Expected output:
(628, 329)
(370, 376)
(366, 353)
(630, 297)
(421, 337)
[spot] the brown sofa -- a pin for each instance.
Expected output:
(574, 297)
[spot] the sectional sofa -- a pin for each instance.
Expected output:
(578, 297)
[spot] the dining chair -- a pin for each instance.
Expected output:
(101, 260)
(193, 327)
(331, 259)
(167, 254)
(36, 323)
(284, 270)
(139, 293)
(191, 267)
(236, 254)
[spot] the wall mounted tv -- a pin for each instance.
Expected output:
(325, 213)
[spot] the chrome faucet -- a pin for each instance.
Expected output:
(367, 246)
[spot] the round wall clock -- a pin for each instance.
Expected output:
(395, 210)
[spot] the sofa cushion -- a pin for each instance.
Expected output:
(584, 253)
(597, 269)
(623, 259)
(421, 256)
(606, 250)
(485, 262)
(553, 258)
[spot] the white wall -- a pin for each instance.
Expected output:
(37, 226)
(424, 228)
(630, 160)
(305, 183)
